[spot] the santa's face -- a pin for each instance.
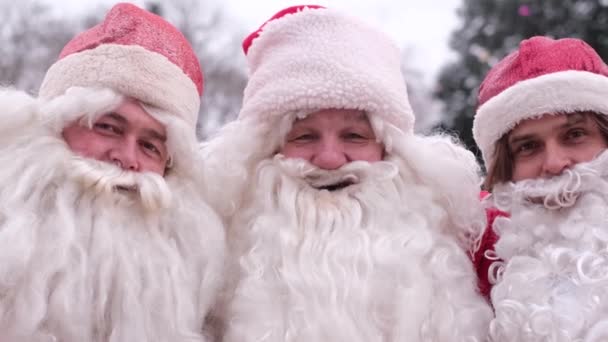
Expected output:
(101, 246)
(351, 177)
(127, 137)
(331, 138)
(546, 146)
(337, 256)
(545, 212)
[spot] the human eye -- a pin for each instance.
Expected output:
(302, 137)
(107, 128)
(150, 147)
(525, 148)
(575, 134)
(355, 136)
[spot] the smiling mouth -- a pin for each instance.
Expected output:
(336, 186)
(126, 188)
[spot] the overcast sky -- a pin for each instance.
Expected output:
(422, 27)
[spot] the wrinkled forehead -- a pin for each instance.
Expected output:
(273, 134)
(141, 115)
(327, 120)
(331, 117)
(130, 114)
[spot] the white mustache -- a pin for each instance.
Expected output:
(557, 192)
(351, 173)
(101, 177)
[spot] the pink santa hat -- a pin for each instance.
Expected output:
(307, 58)
(545, 76)
(136, 54)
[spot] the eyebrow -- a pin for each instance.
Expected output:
(151, 133)
(572, 120)
(117, 117)
(358, 117)
(520, 138)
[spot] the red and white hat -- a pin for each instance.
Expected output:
(136, 54)
(308, 58)
(545, 76)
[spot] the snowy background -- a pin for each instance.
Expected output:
(448, 45)
(421, 28)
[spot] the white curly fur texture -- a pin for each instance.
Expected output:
(384, 260)
(552, 282)
(85, 261)
(321, 58)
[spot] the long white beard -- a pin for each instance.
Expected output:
(365, 263)
(552, 281)
(93, 253)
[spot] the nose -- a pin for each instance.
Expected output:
(556, 160)
(124, 155)
(330, 155)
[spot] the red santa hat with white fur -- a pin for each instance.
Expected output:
(136, 54)
(545, 76)
(308, 58)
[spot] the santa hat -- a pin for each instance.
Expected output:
(136, 54)
(309, 58)
(545, 76)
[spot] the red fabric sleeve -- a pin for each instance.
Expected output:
(480, 261)
(488, 240)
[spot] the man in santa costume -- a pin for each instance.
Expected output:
(349, 226)
(103, 236)
(542, 128)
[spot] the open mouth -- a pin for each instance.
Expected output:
(336, 186)
(126, 188)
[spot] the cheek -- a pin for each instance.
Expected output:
(590, 152)
(371, 153)
(526, 169)
(290, 150)
(85, 142)
(154, 166)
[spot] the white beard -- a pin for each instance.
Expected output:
(552, 282)
(369, 262)
(83, 260)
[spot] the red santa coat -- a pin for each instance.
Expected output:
(481, 261)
